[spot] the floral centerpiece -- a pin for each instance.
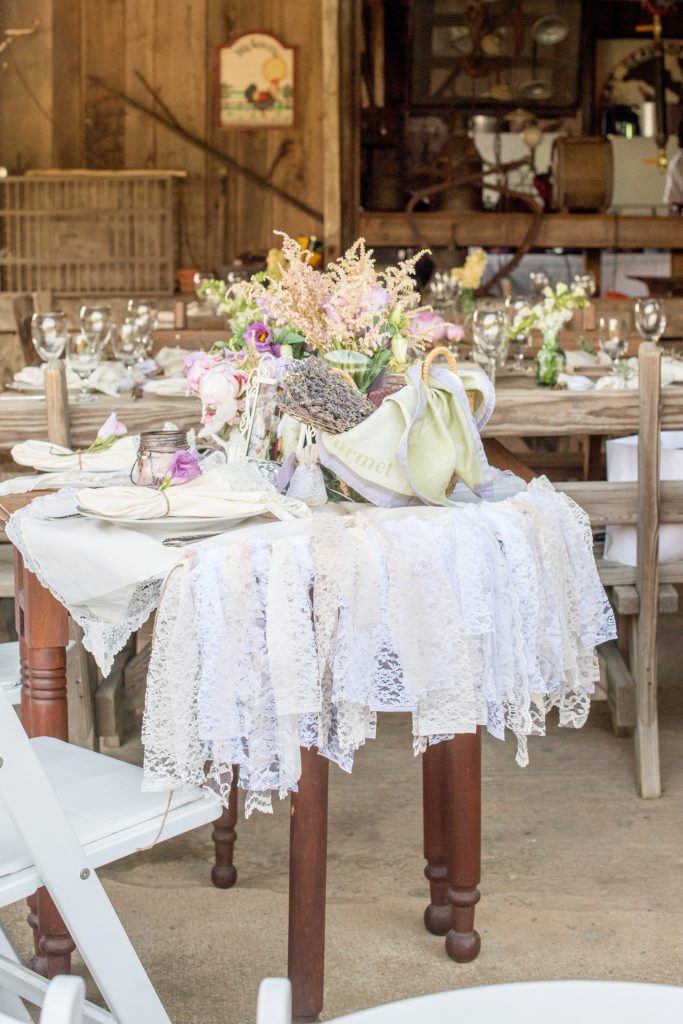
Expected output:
(549, 316)
(468, 279)
(219, 378)
(356, 318)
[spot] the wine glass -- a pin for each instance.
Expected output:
(519, 342)
(143, 312)
(649, 316)
(96, 322)
(613, 338)
(490, 333)
(83, 355)
(49, 334)
(586, 280)
(127, 343)
(539, 281)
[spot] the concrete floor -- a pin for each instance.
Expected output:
(580, 878)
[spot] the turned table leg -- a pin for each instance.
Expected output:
(307, 878)
(437, 916)
(38, 962)
(463, 808)
(224, 873)
(43, 623)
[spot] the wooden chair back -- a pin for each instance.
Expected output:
(636, 591)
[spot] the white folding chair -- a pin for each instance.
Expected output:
(65, 811)
(63, 1001)
(534, 1002)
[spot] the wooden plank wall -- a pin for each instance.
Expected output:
(53, 115)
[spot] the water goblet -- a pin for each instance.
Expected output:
(83, 356)
(519, 342)
(96, 322)
(539, 281)
(49, 334)
(490, 334)
(143, 312)
(649, 316)
(613, 338)
(127, 343)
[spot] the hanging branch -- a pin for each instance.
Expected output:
(169, 121)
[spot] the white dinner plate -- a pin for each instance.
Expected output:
(168, 526)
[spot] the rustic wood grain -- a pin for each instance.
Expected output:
(68, 134)
(57, 403)
(331, 137)
(571, 230)
(103, 54)
(22, 419)
(647, 575)
(618, 503)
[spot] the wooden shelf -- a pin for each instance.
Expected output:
(566, 230)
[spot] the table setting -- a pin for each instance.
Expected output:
(321, 585)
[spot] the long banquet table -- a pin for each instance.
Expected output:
(527, 411)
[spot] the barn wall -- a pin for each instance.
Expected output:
(53, 113)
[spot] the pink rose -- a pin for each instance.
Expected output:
(197, 370)
(220, 389)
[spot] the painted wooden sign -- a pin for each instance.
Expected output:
(256, 83)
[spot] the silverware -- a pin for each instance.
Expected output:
(190, 538)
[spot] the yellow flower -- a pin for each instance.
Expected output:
(470, 275)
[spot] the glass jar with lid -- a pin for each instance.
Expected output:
(155, 454)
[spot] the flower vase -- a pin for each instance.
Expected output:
(550, 360)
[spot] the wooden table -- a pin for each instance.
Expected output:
(452, 814)
(23, 417)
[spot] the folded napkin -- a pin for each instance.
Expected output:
(233, 491)
(575, 382)
(580, 360)
(671, 373)
(169, 387)
(170, 360)
(49, 458)
(34, 377)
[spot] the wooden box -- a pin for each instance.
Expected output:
(83, 233)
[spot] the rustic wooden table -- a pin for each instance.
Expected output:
(24, 417)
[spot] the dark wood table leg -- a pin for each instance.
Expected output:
(463, 808)
(437, 916)
(307, 879)
(44, 623)
(224, 835)
(38, 962)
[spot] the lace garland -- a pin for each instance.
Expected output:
(483, 614)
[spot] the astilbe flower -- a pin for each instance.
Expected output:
(350, 305)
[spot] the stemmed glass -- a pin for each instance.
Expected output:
(490, 333)
(539, 281)
(96, 323)
(143, 312)
(613, 338)
(522, 341)
(49, 333)
(127, 343)
(84, 354)
(649, 316)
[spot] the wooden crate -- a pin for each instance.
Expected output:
(85, 233)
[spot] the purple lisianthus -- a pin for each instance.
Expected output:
(184, 467)
(375, 299)
(260, 336)
(112, 427)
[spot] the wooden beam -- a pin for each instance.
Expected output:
(331, 132)
(570, 230)
(621, 690)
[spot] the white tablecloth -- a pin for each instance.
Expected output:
(276, 635)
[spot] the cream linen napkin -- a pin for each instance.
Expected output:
(34, 377)
(48, 457)
(170, 360)
(168, 387)
(222, 493)
(580, 360)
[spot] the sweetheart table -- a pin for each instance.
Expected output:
(276, 644)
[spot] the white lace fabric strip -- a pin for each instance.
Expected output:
(479, 615)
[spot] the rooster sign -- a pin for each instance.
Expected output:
(256, 83)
